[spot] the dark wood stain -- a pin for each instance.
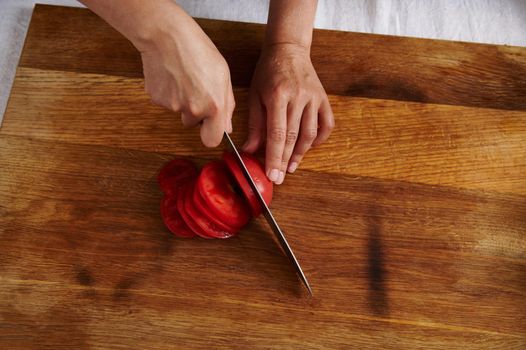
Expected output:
(378, 298)
(409, 222)
(84, 277)
(391, 89)
(121, 289)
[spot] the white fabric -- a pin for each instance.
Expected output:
(487, 21)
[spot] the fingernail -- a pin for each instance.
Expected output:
(273, 175)
(292, 167)
(280, 178)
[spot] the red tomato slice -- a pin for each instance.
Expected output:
(257, 172)
(208, 227)
(172, 219)
(181, 206)
(203, 209)
(175, 173)
(215, 186)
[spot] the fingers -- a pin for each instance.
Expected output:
(256, 125)
(295, 111)
(276, 136)
(325, 122)
(214, 122)
(189, 120)
(213, 128)
(308, 133)
(215, 119)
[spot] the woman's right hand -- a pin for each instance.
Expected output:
(183, 70)
(185, 73)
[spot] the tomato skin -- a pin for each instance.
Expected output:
(181, 206)
(257, 172)
(215, 186)
(173, 220)
(175, 173)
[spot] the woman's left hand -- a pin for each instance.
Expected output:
(288, 106)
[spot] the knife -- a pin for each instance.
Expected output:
(270, 218)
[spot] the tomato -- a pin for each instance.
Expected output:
(215, 186)
(208, 227)
(209, 205)
(181, 206)
(172, 219)
(257, 172)
(175, 173)
(203, 209)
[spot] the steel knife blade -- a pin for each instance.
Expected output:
(270, 218)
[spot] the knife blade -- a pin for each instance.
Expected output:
(278, 233)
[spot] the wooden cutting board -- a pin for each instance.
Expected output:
(410, 222)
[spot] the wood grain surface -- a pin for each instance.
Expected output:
(410, 222)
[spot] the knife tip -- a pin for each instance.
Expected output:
(307, 285)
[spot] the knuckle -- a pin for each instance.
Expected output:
(213, 107)
(175, 106)
(277, 135)
(279, 91)
(292, 136)
(330, 125)
(310, 134)
(302, 93)
(218, 104)
(194, 109)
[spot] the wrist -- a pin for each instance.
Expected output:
(285, 49)
(290, 22)
(153, 25)
(284, 42)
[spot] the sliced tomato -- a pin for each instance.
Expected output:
(203, 209)
(181, 206)
(215, 185)
(208, 227)
(257, 172)
(172, 219)
(175, 173)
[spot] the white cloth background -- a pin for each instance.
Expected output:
(486, 21)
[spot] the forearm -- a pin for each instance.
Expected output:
(138, 20)
(291, 22)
